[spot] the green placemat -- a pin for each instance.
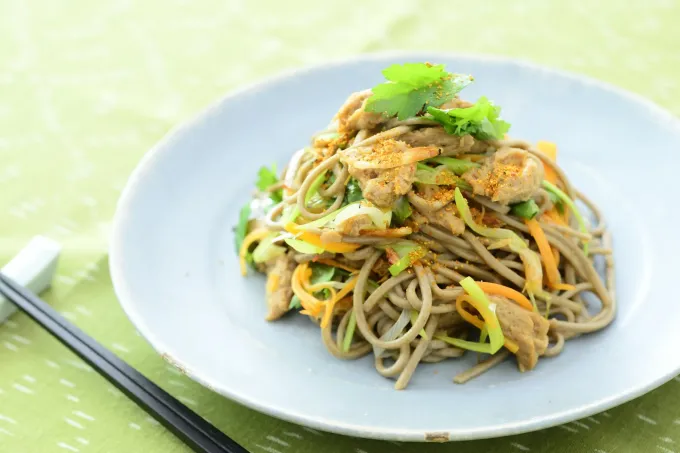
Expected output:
(87, 87)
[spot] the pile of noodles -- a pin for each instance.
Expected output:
(428, 291)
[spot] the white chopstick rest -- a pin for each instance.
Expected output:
(33, 267)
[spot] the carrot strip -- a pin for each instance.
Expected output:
(312, 306)
(500, 290)
(550, 150)
(330, 304)
(315, 239)
(551, 271)
(556, 254)
(478, 323)
(555, 217)
(347, 288)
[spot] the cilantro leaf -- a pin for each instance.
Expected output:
(321, 273)
(295, 303)
(480, 120)
(353, 192)
(266, 178)
(525, 209)
(412, 86)
(241, 228)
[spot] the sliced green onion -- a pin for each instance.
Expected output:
(484, 348)
(267, 250)
(494, 233)
(381, 219)
(409, 252)
(290, 213)
(349, 332)
(570, 203)
(483, 335)
(526, 209)
(483, 306)
(304, 247)
(328, 136)
(323, 221)
(440, 176)
(314, 187)
(531, 260)
(414, 318)
(458, 166)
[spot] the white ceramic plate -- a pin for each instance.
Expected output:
(176, 273)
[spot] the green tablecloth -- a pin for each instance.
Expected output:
(86, 87)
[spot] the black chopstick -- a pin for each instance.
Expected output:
(192, 429)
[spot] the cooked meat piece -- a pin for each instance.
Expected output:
(386, 170)
(380, 268)
(279, 291)
(354, 225)
(353, 116)
(526, 328)
(508, 176)
(447, 218)
(384, 187)
(330, 236)
(450, 145)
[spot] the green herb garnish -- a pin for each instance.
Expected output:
(402, 209)
(480, 120)
(242, 226)
(295, 303)
(525, 209)
(353, 192)
(413, 86)
(266, 178)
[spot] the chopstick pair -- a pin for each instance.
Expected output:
(188, 426)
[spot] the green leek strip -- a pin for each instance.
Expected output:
(458, 166)
(493, 233)
(569, 202)
(349, 332)
(484, 348)
(483, 335)
(314, 187)
(409, 255)
(530, 259)
(291, 215)
(319, 223)
(304, 247)
(267, 250)
(482, 304)
(440, 176)
(414, 318)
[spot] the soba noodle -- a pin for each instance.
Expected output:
(413, 316)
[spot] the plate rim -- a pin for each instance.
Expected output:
(126, 300)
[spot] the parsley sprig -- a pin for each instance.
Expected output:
(480, 120)
(412, 87)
